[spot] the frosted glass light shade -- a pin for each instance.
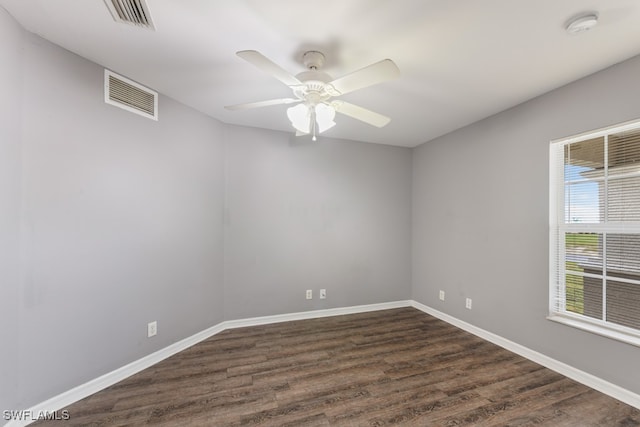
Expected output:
(301, 117)
(324, 116)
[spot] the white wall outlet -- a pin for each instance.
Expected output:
(309, 294)
(152, 329)
(323, 294)
(441, 295)
(468, 303)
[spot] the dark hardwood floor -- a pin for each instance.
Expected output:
(391, 367)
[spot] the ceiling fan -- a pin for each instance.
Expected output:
(313, 90)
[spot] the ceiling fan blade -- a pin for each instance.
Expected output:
(359, 113)
(367, 76)
(268, 66)
(259, 104)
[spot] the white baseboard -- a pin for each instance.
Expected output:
(62, 400)
(255, 321)
(87, 389)
(582, 377)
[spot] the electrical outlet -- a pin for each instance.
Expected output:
(323, 294)
(441, 295)
(309, 294)
(468, 303)
(152, 329)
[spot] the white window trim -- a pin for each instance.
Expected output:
(626, 335)
(599, 327)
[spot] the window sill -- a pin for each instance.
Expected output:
(609, 332)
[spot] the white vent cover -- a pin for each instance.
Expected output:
(129, 95)
(134, 12)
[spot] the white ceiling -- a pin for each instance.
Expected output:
(460, 61)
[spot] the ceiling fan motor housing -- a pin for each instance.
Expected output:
(314, 88)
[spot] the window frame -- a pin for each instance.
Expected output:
(557, 229)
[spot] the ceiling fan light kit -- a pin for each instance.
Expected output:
(308, 119)
(313, 90)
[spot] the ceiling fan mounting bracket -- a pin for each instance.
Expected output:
(313, 59)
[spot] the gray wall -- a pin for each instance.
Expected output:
(113, 220)
(122, 224)
(480, 220)
(332, 214)
(11, 40)
(110, 220)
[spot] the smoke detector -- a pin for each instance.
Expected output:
(581, 23)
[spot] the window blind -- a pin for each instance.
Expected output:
(595, 228)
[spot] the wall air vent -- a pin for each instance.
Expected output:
(134, 12)
(129, 95)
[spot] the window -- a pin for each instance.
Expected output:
(595, 232)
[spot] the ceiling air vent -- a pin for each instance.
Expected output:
(134, 12)
(129, 95)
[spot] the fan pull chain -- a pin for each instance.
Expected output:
(314, 124)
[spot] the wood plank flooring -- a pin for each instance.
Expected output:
(390, 367)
